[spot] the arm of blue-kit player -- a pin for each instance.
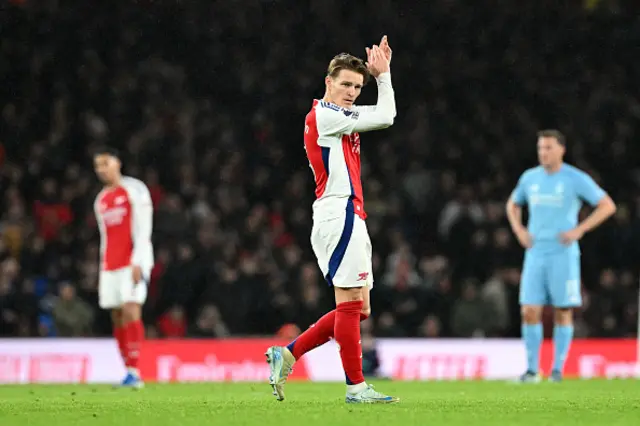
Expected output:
(514, 213)
(592, 193)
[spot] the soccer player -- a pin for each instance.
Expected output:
(553, 193)
(339, 236)
(125, 218)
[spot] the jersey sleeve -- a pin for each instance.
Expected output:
(142, 226)
(96, 211)
(334, 120)
(588, 189)
(519, 194)
(364, 108)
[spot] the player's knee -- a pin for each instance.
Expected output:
(116, 317)
(348, 294)
(563, 316)
(531, 314)
(131, 312)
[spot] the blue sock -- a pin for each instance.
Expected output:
(532, 336)
(562, 336)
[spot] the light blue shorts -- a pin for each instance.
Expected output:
(551, 279)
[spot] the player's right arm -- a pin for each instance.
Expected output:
(514, 213)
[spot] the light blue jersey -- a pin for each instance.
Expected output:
(551, 271)
(554, 201)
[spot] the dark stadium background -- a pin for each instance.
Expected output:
(206, 99)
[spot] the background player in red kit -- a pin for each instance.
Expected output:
(339, 237)
(124, 213)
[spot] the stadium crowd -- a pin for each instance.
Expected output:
(206, 101)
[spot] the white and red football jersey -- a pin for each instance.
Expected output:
(332, 143)
(125, 218)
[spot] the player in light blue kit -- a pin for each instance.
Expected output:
(553, 193)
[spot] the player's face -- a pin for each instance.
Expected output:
(550, 151)
(345, 88)
(107, 168)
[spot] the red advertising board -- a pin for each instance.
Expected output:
(99, 361)
(209, 361)
(591, 358)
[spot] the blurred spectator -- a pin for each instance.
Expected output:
(370, 359)
(209, 324)
(430, 327)
(173, 323)
(387, 326)
(50, 211)
(495, 295)
(72, 316)
(471, 316)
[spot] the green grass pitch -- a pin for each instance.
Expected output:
(608, 403)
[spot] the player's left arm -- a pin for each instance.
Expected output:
(363, 108)
(142, 212)
(592, 193)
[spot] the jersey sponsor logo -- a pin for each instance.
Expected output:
(547, 200)
(552, 199)
(114, 216)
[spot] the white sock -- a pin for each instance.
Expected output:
(356, 388)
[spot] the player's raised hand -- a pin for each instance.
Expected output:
(376, 61)
(386, 49)
(369, 50)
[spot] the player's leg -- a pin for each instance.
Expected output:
(319, 333)
(119, 333)
(349, 303)
(325, 238)
(533, 296)
(109, 298)
(322, 330)
(133, 296)
(350, 275)
(565, 295)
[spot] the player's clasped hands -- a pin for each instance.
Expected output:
(379, 58)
